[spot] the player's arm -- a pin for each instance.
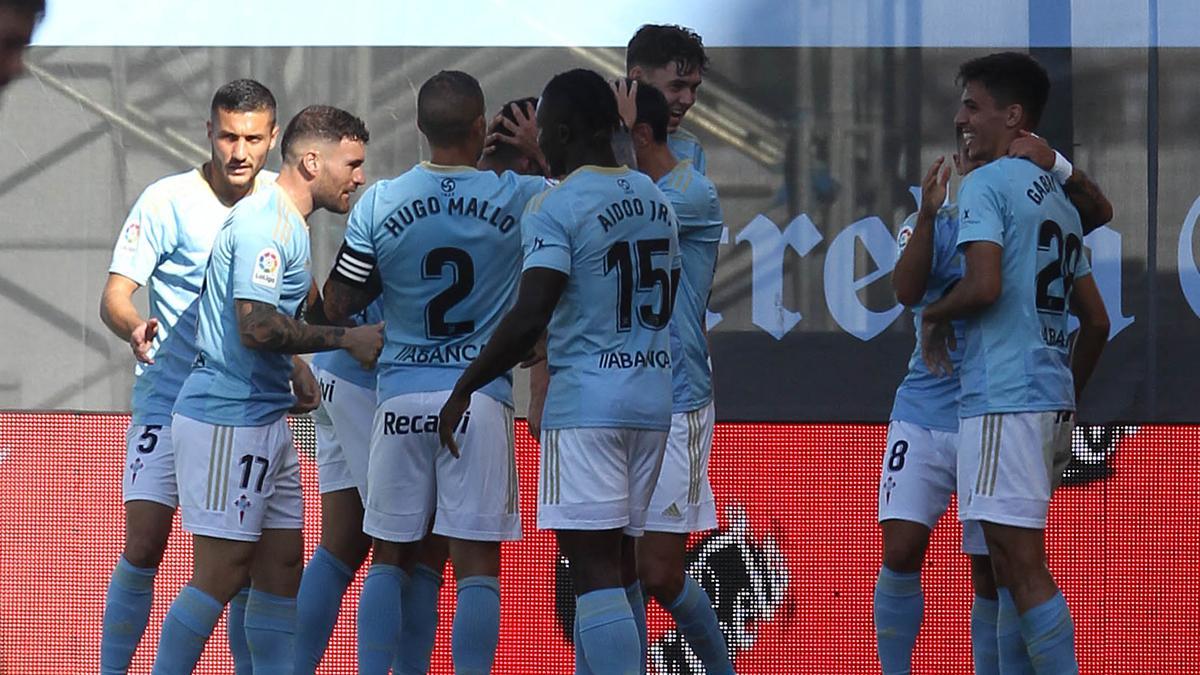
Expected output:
(911, 274)
(978, 289)
(116, 306)
(513, 342)
(261, 326)
(143, 239)
(304, 387)
(1092, 337)
(1094, 208)
(522, 134)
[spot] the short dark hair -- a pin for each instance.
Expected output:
(324, 122)
(652, 109)
(1010, 77)
(589, 106)
(507, 152)
(244, 95)
(35, 7)
(447, 105)
(655, 46)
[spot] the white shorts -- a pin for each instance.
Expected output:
(1009, 463)
(236, 481)
(413, 479)
(150, 465)
(683, 499)
(918, 477)
(343, 422)
(598, 479)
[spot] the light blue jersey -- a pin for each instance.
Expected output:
(447, 243)
(340, 363)
(694, 199)
(261, 254)
(615, 235)
(685, 145)
(164, 245)
(924, 398)
(1017, 353)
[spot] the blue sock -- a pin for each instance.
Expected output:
(318, 603)
(899, 608)
(235, 624)
(185, 629)
(476, 625)
(697, 622)
(581, 666)
(271, 633)
(608, 632)
(126, 612)
(983, 636)
(418, 626)
(637, 605)
(379, 613)
(1050, 635)
(1014, 657)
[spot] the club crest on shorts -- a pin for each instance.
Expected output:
(266, 268)
(242, 503)
(134, 467)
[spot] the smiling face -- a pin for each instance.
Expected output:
(986, 127)
(679, 88)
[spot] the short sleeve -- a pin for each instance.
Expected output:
(148, 235)
(699, 159)
(981, 209)
(1084, 267)
(905, 233)
(258, 262)
(544, 239)
(360, 224)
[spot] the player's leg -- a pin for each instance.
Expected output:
(634, 591)
(150, 500)
(1020, 463)
(400, 505)
(418, 626)
(916, 481)
(279, 559)
(683, 503)
(343, 546)
(477, 509)
(584, 498)
(985, 610)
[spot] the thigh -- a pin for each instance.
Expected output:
(222, 473)
(281, 483)
(645, 451)
(584, 481)
(683, 499)
(917, 476)
(351, 412)
(401, 482)
(150, 465)
(278, 562)
(477, 496)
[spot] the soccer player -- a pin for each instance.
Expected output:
(672, 60)
(1024, 266)
(601, 262)
(682, 502)
(18, 18)
(236, 466)
(165, 244)
(918, 473)
(445, 240)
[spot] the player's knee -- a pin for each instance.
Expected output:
(349, 546)
(662, 581)
(903, 555)
(144, 549)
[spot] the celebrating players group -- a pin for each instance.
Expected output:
(528, 239)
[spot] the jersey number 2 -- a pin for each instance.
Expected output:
(648, 278)
(433, 267)
(1067, 252)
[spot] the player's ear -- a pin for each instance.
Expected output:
(311, 162)
(642, 134)
(1014, 115)
(636, 73)
(479, 126)
(274, 135)
(208, 127)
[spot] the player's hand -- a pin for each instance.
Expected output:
(522, 133)
(937, 341)
(142, 339)
(364, 343)
(626, 100)
(305, 388)
(933, 187)
(1034, 148)
(535, 356)
(958, 165)
(449, 419)
(533, 418)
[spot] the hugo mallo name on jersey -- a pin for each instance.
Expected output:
(615, 236)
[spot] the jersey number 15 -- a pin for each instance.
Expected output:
(648, 278)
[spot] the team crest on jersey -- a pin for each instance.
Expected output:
(266, 268)
(130, 236)
(904, 235)
(448, 186)
(625, 186)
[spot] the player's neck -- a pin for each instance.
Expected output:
(577, 156)
(656, 161)
(453, 156)
(226, 193)
(296, 189)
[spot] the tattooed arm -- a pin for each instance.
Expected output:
(262, 326)
(1094, 208)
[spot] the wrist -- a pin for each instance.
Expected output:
(1062, 168)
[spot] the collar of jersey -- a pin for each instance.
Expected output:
(446, 168)
(287, 204)
(610, 170)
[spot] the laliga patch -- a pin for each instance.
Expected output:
(266, 268)
(130, 236)
(903, 237)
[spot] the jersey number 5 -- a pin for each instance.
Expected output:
(648, 278)
(433, 267)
